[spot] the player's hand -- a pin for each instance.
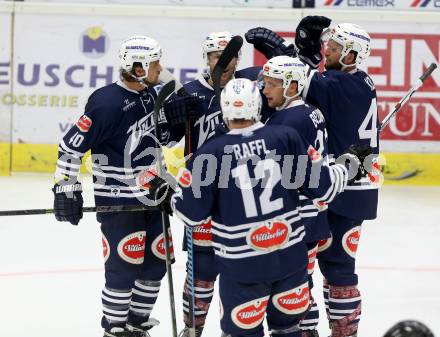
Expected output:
(159, 189)
(308, 39)
(68, 201)
(178, 109)
(269, 43)
(356, 155)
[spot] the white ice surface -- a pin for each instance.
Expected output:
(51, 273)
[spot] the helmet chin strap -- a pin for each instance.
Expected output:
(287, 100)
(345, 66)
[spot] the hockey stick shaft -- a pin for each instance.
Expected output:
(97, 209)
(166, 76)
(232, 49)
(408, 95)
(166, 91)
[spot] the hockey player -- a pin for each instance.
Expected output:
(117, 126)
(284, 80)
(347, 98)
(205, 116)
(257, 230)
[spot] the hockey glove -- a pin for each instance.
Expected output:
(220, 129)
(178, 109)
(308, 39)
(159, 189)
(269, 43)
(68, 202)
(355, 156)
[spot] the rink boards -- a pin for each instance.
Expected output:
(53, 57)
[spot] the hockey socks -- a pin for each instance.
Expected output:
(203, 291)
(344, 310)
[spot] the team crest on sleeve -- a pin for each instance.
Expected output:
(144, 178)
(158, 247)
(268, 236)
(314, 155)
(202, 234)
(184, 177)
(250, 314)
(324, 244)
(105, 248)
(84, 123)
(350, 241)
(294, 301)
(132, 247)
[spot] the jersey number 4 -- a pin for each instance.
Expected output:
(371, 133)
(265, 168)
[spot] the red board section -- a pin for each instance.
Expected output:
(396, 62)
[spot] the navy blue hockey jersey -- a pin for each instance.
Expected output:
(204, 125)
(309, 122)
(349, 104)
(246, 182)
(118, 127)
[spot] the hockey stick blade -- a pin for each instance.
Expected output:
(408, 95)
(232, 49)
(98, 209)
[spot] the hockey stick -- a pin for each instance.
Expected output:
(166, 91)
(405, 99)
(231, 51)
(166, 76)
(98, 209)
(179, 90)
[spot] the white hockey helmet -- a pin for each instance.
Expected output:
(289, 69)
(140, 49)
(216, 41)
(241, 99)
(352, 38)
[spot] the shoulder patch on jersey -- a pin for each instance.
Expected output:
(250, 314)
(184, 177)
(84, 123)
(268, 236)
(105, 248)
(158, 247)
(350, 241)
(132, 247)
(294, 301)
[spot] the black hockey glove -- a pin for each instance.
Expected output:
(269, 43)
(178, 109)
(159, 189)
(308, 39)
(355, 155)
(220, 129)
(68, 202)
(162, 193)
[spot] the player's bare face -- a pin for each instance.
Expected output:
(153, 72)
(273, 90)
(229, 71)
(332, 53)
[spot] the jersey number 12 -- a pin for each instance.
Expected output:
(266, 167)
